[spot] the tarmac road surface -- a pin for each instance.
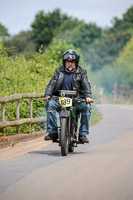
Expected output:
(96, 171)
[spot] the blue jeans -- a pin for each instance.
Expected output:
(53, 106)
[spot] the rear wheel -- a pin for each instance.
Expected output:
(64, 137)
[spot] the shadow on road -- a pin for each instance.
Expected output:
(50, 153)
(56, 153)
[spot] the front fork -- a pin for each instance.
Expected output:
(72, 122)
(76, 126)
(64, 114)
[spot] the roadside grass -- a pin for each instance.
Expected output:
(96, 115)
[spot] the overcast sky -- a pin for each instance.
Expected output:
(17, 15)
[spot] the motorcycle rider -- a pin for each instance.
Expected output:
(69, 76)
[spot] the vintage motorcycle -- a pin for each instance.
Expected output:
(68, 136)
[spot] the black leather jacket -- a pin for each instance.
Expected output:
(79, 82)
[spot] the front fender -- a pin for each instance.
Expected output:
(64, 114)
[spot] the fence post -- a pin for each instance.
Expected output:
(31, 114)
(16, 98)
(2, 112)
(17, 114)
(3, 115)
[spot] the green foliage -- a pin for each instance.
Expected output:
(121, 71)
(46, 25)
(125, 24)
(3, 31)
(54, 24)
(56, 50)
(104, 51)
(84, 34)
(124, 64)
(100, 47)
(69, 24)
(21, 44)
(108, 53)
(126, 55)
(19, 75)
(65, 30)
(95, 116)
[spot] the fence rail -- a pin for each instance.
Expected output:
(125, 91)
(19, 122)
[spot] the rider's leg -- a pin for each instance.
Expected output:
(85, 110)
(52, 107)
(85, 118)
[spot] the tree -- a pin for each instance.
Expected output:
(65, 30)
(46, 26)
(70, 24)
(56, 50)
(23, 43)
(120, 71)
(124, 64)
(3, 31)
(84, 34)
(105, 50)
(125, 24)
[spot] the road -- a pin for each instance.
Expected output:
(99, 170)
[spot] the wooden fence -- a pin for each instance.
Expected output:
(19, 122)
(124, 91)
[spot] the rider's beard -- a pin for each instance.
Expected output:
(70, 69)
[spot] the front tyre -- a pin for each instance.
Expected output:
(64, 137)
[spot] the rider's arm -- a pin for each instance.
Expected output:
(86, 85)
(52, 84)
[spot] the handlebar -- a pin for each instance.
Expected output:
(74, 99)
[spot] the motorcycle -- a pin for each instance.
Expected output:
(68, 136)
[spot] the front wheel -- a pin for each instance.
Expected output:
(64, 137)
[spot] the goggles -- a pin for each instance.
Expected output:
(69, 57)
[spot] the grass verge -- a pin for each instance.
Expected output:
(96, 115)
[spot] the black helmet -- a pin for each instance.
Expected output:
(71, 55)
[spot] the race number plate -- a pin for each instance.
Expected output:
(65, 102)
